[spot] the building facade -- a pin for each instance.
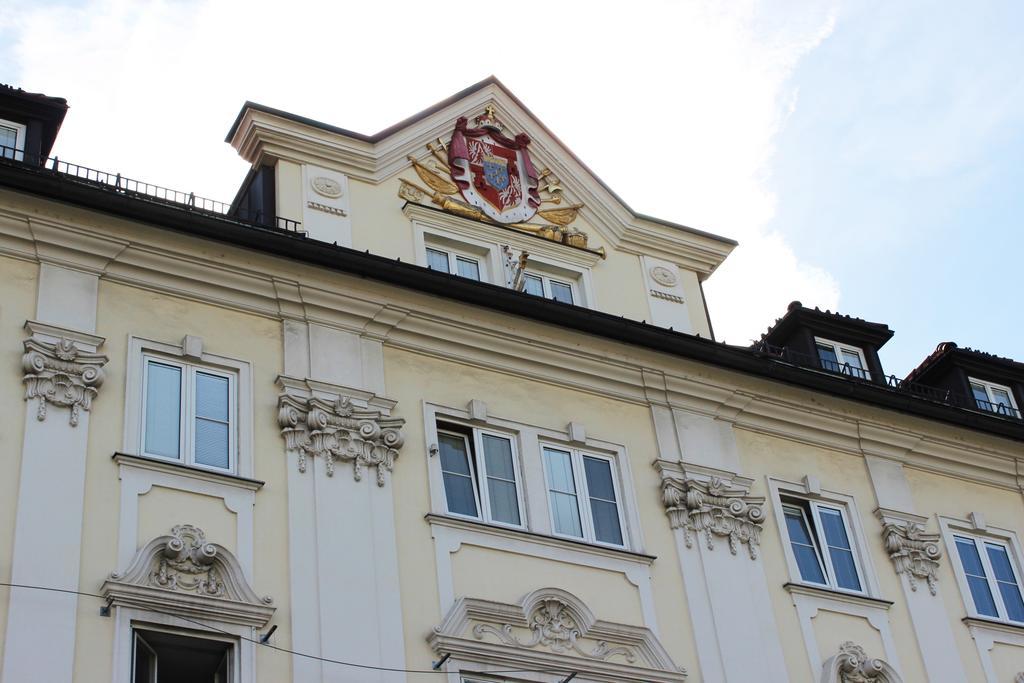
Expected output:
(435, 404)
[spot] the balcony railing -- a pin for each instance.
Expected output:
(790, 356)
(129, 187)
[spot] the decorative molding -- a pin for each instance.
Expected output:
(326, 187)
(333, 210)
(713, 502)
(663, 276)
(62, 374)
(551, 628)
(339, 429)
(852, 665)
(183, 574)
(912, 551)
(657, 294)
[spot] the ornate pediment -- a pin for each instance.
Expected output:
(552, 629)
(852, 665)
(340, 430)
(484, 173)
(184, 574)
(712, 503)
(61, 374)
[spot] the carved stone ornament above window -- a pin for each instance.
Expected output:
(183, 574)
(852, 665)
(61, 374)
(339, 429)
(712, 503)
(912, 551)
(552, 629)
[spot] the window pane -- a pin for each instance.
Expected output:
(843, 565)
(468, 267)
(561, 292)
(564, 505)
(970, 560)
(828, 358)
(534, 285)
(1001, 399)
(437, 260)
(9, 141)
(212, 443)
(1006, 581)
(501, 479)
(803, 547)
(163, 410)
(458, 482)
(212, 396)
(980, 395)
(602, 500)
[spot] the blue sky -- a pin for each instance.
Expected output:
(867, 155)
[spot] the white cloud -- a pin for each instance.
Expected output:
(675, 104)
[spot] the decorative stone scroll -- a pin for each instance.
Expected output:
(184, 574)
(551, 629)
(61, 374)
(339, 429)
(852, 665)
(712, 503)
(912, 551)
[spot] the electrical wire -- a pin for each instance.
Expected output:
(305, 655)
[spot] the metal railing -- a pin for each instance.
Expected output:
(115, 182)
(951, 398)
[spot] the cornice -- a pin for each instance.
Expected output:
(837, 596)
(182, 470)
(419, 321)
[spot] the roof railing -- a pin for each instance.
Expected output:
(115, 182)
(808, 361)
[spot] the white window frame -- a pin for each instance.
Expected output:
(546, 281)
(821, 548)
(454, 257)
(485, 254)
(478, 472)
(837, 348)
(19, 141)
(579, 475)
(976, 530)
(240, 393)
(533, 491)
(810, 491)
(989, 386)
(187, 411)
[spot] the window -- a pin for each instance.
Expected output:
(994, 398)
(583, 495)
(450, 262)
(820, 540)
(542, 285)
(481, 474)
(12, 140)
(162, 657)
(189, 413)
(842, 358)
(992, 579)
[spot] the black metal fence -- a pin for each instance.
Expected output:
(801, 359)
(115, 182)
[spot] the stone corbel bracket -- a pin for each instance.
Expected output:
(61, 370)
(703, 500)
(342, 427)
(912, 551)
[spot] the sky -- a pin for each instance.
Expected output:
(866, 155)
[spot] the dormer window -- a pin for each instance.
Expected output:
(12, 140)
(994, 398)
(453, 263)
(549, 288)
(842, 358)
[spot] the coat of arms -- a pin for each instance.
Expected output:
(493, 171)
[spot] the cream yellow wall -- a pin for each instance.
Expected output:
(413, 378)
(17, 304)
(765, 456)
(124, 311)
(948, 497)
